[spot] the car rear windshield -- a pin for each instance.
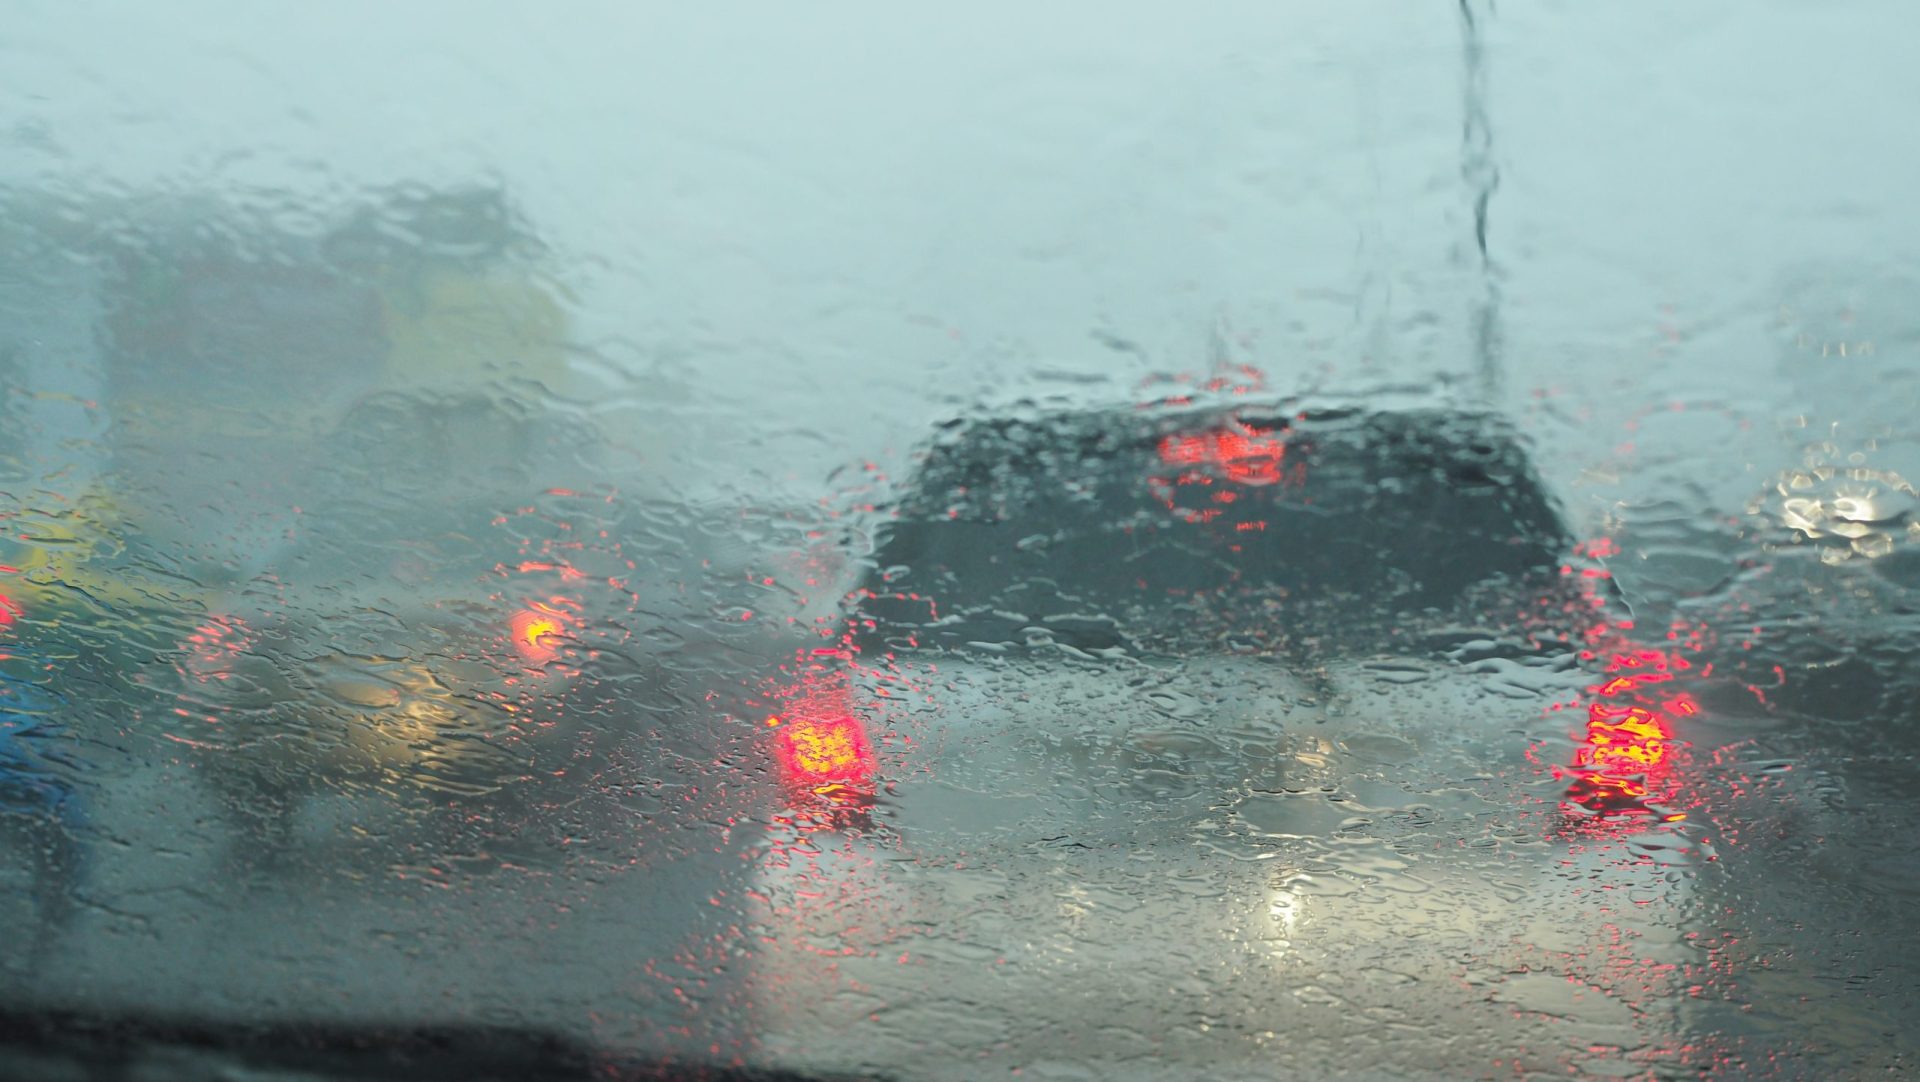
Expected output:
(1192, 530)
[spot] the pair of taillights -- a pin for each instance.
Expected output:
(1624, 765)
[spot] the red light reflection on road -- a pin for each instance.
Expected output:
(10, 611)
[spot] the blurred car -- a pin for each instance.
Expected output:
(1225, 737)
(285, 459)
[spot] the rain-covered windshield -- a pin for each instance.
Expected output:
(1134, 542)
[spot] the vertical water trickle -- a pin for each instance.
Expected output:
(1481, 175)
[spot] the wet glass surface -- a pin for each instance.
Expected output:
(1137, 543)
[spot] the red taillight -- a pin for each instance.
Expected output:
(820, 744)
(1625, 764)
(542, 628)
(1243, 454)
(817, 752)
(534, 633)
(1208, 469)
(1626, 738)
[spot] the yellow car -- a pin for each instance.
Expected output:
(270, 413)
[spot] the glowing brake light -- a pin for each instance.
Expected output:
(820, 745)
(539, 630)
(1625, 765)
(1629, 737)
(816, 753)
(1207, 470)
(1244, 454)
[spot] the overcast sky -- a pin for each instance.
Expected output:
(848, 206)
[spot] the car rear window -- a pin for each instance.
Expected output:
(1193, 530)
